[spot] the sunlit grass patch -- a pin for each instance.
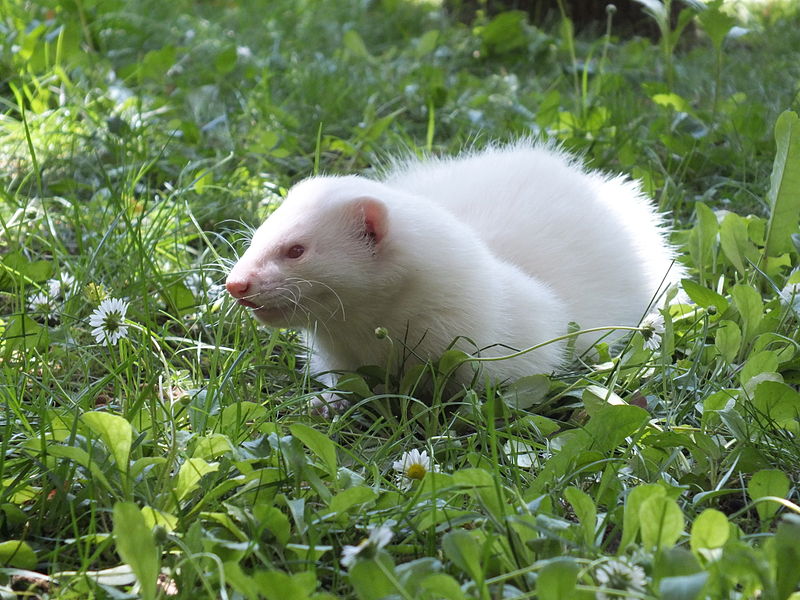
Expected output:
(172, 452)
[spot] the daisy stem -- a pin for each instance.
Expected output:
(390, 576)
(560, 338)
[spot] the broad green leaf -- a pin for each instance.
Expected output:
(483, 485)
(354, 496)
(153, 517)
(319, 444)
(431, 483)
(444, 586)
(306, 552)
(463, 549)
(355, 44)
(709, 530)
(735, 242)
(410, 574)
(136, 546)
(273, 521)
(527, 391)
(779, 403)
(295, 456)
(355, 384)
(226, 60)
(15, 267)
(633, 502)
(674, 101)
(596, 397)
(728, 340)
(370, 580)
(212, 446)
(23, 334)
(80, 456)
(234, 419)
(140, 464)
(504, 33)
(768, 482)
(718, 401)
(716, 23)
(585, 510)
(751, 309)
(784, 192)
(190, 474)
(156, 63)
(609, 427)
(702, 238)
(765, 361)
(557, 578)
(426, 43)
(17, 554)
(785, 348)
(682, 587)
(180, 301)
(702, 296)
(451, 360)
(240, 581)
(675, 562)
(347, 478)
(116, 433)
(573, 442)
(660, 521)
(657, 10)
(277, 585)
(787, 556)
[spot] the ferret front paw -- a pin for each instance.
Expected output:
(327, 404)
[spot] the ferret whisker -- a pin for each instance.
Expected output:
(313, 282)
(297, 281)
(224, 265)
(331, 314)
(250, 296)
(294, 300)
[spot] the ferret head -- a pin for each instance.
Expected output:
(317, 255)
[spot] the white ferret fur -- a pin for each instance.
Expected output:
(503, 247)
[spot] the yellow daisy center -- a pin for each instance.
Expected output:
(416, 471)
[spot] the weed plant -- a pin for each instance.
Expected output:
(155, 442)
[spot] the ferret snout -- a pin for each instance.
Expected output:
(239, 286)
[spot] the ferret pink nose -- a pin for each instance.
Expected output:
(237, 287)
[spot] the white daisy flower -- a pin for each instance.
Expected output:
(525, 455)
(204, 287)
(64, 286)
(41, 304)
(197, 284)
(54, 287)
(651, 328)
(620, 575)
(108, 321)
(215, 291)
(378, 538)
(413, 466)
(67, 285)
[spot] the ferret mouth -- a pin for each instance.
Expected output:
(265, 313)
(273, 315)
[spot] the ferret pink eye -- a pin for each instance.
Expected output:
(295, 251)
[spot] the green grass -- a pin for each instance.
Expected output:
(140, 142)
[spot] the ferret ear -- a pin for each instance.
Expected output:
(375, 219)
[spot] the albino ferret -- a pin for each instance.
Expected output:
(500, 249)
